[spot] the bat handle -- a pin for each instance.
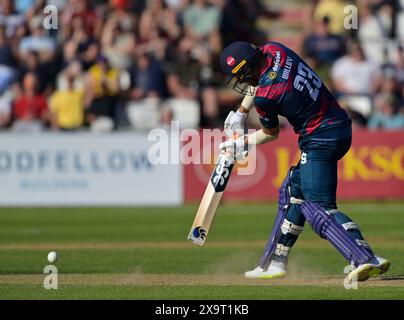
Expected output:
(229, 154)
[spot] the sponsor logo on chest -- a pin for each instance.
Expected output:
(277, 61)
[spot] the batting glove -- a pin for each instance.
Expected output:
(235, 123)
(237, 147)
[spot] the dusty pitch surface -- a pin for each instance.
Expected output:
(307, 243)
(192, 280)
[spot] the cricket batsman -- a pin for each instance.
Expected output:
(277, 81)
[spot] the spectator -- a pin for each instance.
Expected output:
(375, 24)
(74, 68)
(30, 9)
(80, 45)
(6, 51)
(398, 71)
(398, 65)
(150, 38)
(375, 27)
(201, 19)
(202, 23)
(83, 10)
(67, 104)
(30, 109)
(323, 46)
(176, 44)
(22, 6)
(177, 5)
(148, 87)
(118, 41)
(101, 94)
(38, 41)
(183, 71)
(119, 12)
(10, 18)
(5, 108)
(334, 11)
(184, 81)
(7, 62)
(391, 86)
(387, 115)
(147, 78)
(354, 74)
(7, 73)
(158, 26)
(31, 64)
(165, 17)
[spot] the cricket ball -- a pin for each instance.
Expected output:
(52, 257)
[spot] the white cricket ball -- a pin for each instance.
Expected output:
(52, 257)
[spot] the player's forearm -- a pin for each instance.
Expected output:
(247, 104)
(261, 136)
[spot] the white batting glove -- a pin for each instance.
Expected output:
(237, 147)
(235, 123)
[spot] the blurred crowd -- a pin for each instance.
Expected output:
(132, 64)
(364, 66)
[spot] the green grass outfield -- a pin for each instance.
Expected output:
(142, 253)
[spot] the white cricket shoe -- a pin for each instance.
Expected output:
(366, 270)
(382, 267)
(255, 273)
(276, 269)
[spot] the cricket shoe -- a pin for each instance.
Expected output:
(382, 267)
(275, 270)
(366, 270)
(255, 273)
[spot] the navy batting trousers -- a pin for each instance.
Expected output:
(314, 179)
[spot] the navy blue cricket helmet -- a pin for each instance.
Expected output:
(238, 60)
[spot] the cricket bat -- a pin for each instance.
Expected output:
(211, 198)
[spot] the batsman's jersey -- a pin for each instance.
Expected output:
(290, 88)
